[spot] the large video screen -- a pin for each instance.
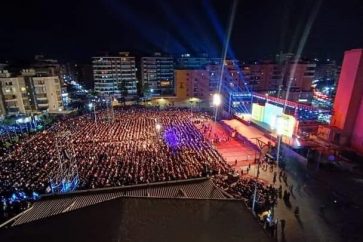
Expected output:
(271, 113)
(257, 112)
(285, 125)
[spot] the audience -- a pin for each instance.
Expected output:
(122, 148)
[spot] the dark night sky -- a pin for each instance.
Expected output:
(78, 29)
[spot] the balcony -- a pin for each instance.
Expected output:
(39, 84)
(8, 98)
(41, 96)
(43, 105)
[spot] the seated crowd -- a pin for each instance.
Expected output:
(123, 148)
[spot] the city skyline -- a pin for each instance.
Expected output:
(79, 30)
(181, 120)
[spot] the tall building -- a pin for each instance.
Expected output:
(115, 75)
(84, 75)
(30, 92)
(326, 73)
(189, 62)
(157, 74)
(15, 94)
(2, 108)
(232, 76)
(348, 105)
(192, 84)
(202, 83)
(263, 76)
(275, 78)
(46, 66)
(299, 75)
(45, 91)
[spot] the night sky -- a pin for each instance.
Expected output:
(79, 29)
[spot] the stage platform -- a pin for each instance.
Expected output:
(249, 132)
(232, 149)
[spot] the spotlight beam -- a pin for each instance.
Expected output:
(227, 39)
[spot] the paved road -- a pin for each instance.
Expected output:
(340, 193)
(330, 202)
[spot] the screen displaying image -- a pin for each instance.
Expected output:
(271, 113)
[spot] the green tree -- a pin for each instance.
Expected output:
(146, 89)
(123, 90)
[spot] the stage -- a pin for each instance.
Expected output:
(232, 149)
(249, 132)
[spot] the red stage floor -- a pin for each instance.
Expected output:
(231, 149)
(248, 131)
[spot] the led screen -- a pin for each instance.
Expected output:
(257, 112)
(285, 125)
(270, 114)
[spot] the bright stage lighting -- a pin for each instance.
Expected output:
(158, 127)
(279, 125)
(217, 99)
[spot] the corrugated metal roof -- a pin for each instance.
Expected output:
(53, 205)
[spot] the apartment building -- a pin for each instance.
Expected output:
(30, 92)
(276, 78)
(157, 74)
(115, 75)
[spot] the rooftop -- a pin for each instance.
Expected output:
(193, 210)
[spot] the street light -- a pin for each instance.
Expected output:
(158, 127)
(193, 101)
(217, 100)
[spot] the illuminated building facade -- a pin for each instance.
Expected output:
(115, 75)
(157, 74)
(2, 108)
(16, 98)
(192, 84)
(45, 91)
(202, 83)
(326, 73)
(347, 120)
(263, 77)
(188, 62)
(274, 78)
(30, 92)
(81, 73)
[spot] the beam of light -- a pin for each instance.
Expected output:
(221, 35)
(208, 45)
(226, 46)
(216, 24)
(150, 32)
(301, 46)
(192, 33)
(184, 31)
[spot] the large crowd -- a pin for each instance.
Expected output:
(126, 147)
